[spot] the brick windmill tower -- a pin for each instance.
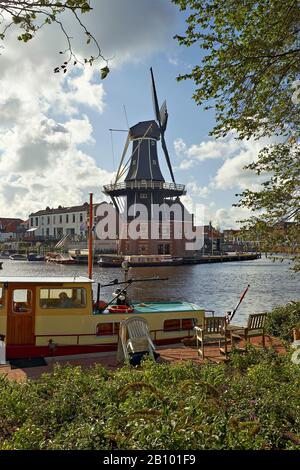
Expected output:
(145, 184)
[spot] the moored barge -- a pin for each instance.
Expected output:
(56, 316)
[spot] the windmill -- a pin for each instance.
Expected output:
(144, 182)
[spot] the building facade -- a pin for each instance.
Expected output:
(53, 224)
(11, 229)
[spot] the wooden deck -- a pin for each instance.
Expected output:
(168, 354)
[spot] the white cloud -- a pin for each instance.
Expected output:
(229, 218)
(41, 161)
(236, 155)
(179, 146)
(42, 166)
(232, 173)
(196, 190)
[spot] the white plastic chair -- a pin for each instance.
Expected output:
(134, 337)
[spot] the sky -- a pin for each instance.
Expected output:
(55, 143)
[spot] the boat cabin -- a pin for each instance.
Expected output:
(42, 316)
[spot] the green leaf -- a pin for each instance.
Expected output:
(104, 72)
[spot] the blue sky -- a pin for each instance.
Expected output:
(55, 144)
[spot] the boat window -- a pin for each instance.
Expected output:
(1, 298)
(180, 324)
(106, 329)
(63, 298)
(188, 323)
(170, 325)
(22, 300)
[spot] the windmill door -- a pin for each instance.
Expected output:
(20, 314)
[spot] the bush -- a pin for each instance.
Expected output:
(251, 403)
(282, 320)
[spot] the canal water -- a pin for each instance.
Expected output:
(212, 286)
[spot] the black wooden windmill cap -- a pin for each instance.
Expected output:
(146, 129)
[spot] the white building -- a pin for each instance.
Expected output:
(56, 223)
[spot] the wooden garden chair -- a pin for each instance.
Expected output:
(212, 330)
(255, 327)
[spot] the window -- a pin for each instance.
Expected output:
(143, 195)
(179, 324)
(60, 219)
(133, 162)
(73, 218)
(81, 217)
(48, 220)
(54, 219)
(31, 221)
(42, 220)
(154, 162)
(36, 221)
(107, 329)
(67, 218)
(47, 232)
(1, 298)
(22, 301)
(170, 325)
(63, 298)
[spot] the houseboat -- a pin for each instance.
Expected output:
(140, 261)
(60, 258)
(35, 257)
(18, 257)
(56, 316)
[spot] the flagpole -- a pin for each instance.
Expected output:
(239, 302)
(90, 255)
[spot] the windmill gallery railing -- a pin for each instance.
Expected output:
(144, 184)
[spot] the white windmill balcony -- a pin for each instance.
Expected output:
(145, 184)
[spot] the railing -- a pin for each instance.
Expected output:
(144, 184)
(153, 333)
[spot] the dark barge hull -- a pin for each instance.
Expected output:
(117, 262)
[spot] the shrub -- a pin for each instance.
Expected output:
(251, 403)
(282, 320)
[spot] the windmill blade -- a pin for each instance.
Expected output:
(122, 158)
(155, 100)
(163, 116)
(164, 146)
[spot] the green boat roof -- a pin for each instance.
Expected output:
(160, 307)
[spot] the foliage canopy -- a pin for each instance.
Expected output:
(30, 16)
(249, 72)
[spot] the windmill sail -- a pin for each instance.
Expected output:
(164, 115)
(162, 118)
(154, 99)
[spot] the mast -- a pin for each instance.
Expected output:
(90, 254)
